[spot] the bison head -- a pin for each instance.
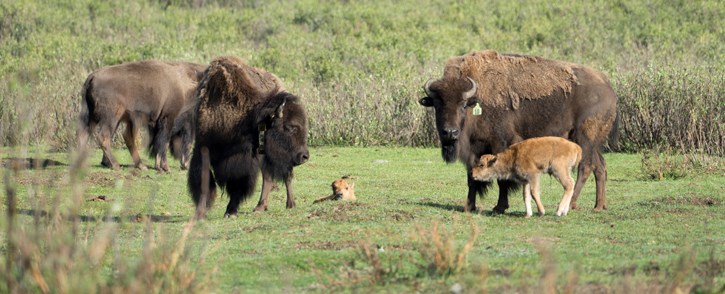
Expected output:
(285, 139)
(450, 98)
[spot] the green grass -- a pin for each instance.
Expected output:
(402, 194)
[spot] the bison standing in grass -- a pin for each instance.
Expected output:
(246, 121)
(525, 161)
(148, 94)
(486, 101)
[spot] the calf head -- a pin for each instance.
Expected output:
(342, 190)
(285, 138)
(450, 98)
(484, 170)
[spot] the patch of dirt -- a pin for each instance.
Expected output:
(101, 179)
(326, 245)
(342, 211)
(399, 215)
(687, 199)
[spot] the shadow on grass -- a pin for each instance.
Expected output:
(460, 208)
(17, 163)
(117, 219)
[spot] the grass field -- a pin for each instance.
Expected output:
(406, 232)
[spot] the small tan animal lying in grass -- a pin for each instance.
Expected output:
(341, 190)
(525, 161)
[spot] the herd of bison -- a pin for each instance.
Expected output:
(225, 121)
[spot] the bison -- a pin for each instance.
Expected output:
(525, 161)
(148, 94)
(341, 190)
(247, 122)
(486, 101)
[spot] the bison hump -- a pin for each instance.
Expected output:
(505, 79)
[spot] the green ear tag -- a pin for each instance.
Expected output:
(477, 109)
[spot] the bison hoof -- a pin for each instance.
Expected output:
(141, 167)
(499, 209)
(230, 215)
(600, 208)
(260, 208)
(572, 206)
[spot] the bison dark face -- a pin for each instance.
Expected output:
(286, 137)
(450, 99)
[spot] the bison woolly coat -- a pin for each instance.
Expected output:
(247, 122)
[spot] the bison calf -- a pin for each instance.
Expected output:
(525, 161)
(341, 190)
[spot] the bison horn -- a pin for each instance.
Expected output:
(427, 88)
(472, 92)
(281, 108)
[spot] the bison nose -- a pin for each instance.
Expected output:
(450, 134)
(302, 157)
(338, 196)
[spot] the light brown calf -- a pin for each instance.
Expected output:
(525, 161)
(341, 190)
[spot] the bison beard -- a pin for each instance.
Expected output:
(238, 106)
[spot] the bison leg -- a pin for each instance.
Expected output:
(105, 137)
(161, 141)
(504, 187)
(290, 195)
(200, 176)
(267, 183)
(583, 173)
(474, 188)
(132, 138)
(600, 176)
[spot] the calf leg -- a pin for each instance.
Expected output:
(536, 193)
(567, 182)
(527, 200)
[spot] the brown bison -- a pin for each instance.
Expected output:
(486, 101)
(247, 121)
(148, 94)
(525, 161)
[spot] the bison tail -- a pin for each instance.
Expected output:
(613, 139)
(85, 120)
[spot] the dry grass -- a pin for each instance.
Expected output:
(56, 253)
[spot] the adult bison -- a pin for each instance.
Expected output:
(486, 101)
(246, 121)
(147, 94)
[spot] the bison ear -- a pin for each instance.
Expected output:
(472, 101)
(426, 101)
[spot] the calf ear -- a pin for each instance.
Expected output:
(492, 161)
(426, 101)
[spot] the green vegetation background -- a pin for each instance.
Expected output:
(360, 65)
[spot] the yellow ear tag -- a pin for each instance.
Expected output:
(477, 109)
